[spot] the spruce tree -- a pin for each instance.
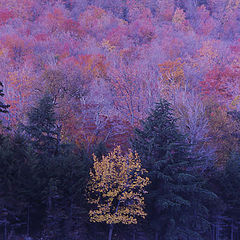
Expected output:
(176, 200)
(42, 129)
(228, 185)
(43, 134)
(60, 173)
(15, 185)
(64, 193)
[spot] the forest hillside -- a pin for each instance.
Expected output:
(120, 119)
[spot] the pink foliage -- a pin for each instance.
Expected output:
(5, 15)
(142, 30)
(118, 36)
(112, 50)
(205, 23)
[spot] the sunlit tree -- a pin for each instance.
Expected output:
(116, 189)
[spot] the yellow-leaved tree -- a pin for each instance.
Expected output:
(116, 189)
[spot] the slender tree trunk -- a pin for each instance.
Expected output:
(49, 203)
(232, 231)
(110, 232)
(217, 229)
(59, 128)
(213, 232)
(134, 235)
(11, 234)
(156, 235)
(5, 231)
(28, 220)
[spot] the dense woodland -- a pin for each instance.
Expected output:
(120, 119)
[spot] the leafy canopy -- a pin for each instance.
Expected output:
(116, 188)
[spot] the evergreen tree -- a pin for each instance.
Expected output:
(226, 186)
(176, 200)
(100, 150)
(42, 129)
(64, 193)
(44, 139)
(15, 185)
(230, 184)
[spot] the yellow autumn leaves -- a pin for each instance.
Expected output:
(116, 188)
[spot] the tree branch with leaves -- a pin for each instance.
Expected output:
(116, 189)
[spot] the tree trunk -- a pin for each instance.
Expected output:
(213, 232)
(134, 235)
(110, 232)
(156, 235)
(232, 230)
(217, 230)
(5, 230)
(28, 221)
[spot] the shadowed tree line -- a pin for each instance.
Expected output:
(43, 181)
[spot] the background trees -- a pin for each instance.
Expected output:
(3, 107)
(105, 64)
(96, 45)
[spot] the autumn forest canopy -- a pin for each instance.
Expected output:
(120, 119)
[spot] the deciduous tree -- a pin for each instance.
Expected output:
(116, 189)
(3, 107)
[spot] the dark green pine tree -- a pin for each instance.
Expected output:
(60, 172)
(3, 107)
(15, 186)
(42, 129)
(230, 178)
(64, 194)
(176, 200)
(43, 136)
(228, 185)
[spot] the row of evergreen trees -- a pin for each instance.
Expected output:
(43, 183)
